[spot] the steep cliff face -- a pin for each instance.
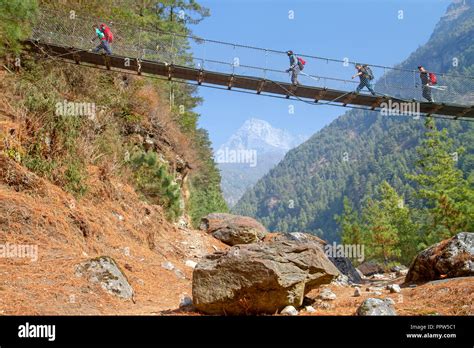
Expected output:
(360, 149)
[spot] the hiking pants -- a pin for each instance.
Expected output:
(427, 93)
(104, 45)
(294, 75)
(365, 83)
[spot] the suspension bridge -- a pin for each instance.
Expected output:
(64, 37)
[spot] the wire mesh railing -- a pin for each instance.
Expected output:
(61, 28)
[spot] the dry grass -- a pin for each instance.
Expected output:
(109, 221)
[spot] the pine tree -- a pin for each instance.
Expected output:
(441, 187)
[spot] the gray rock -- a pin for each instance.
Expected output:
(327, 295)
(191, 264)
(451, 258)
(375, 306)
(345, 266)
(289, 310)
(394, 288)
(310, 309)
(233, 229)
(179, 274)
(369, 268)
(398, 268)
(341, 280)
(105, 271)
(185, 301)
(356, 292)
(259, 278)
(168, 265)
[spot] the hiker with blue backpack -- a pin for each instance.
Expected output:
(296, 65)
(105, 37)
(366, 76)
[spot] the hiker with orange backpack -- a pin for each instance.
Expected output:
(296, 65)
(427, 80)
(105, 37)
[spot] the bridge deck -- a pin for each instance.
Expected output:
(258, 85)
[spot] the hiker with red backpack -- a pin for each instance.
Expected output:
(296, 65)
(105, 37)
(366, 76)
(427, 80)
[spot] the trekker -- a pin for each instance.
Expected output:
(296, 65)
(366, 76)
(425, 83)
(104, 42)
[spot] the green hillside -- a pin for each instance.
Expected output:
(353, 155)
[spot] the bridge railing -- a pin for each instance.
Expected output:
(62, 28)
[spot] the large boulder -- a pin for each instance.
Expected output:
(260, 277)
(233, 229)
(104, 271)
(369, 268)
(343, 264)
(449, 258)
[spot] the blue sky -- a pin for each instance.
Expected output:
(363, 30)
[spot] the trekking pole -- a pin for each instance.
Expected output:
(317, 79)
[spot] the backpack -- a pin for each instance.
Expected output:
(368, 72)
(109, 36)
(301, 63)
(433, 78)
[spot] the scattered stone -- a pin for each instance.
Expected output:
(394, 288)
(369, 268)
(185, 301)
(289, 310)
(168, 265)
(105, 271)
(233, 229)
(179, 274)
(260, 277)
(379, 276)
(412, 286)
(191, 264)
(327, 295)
(398, 268)
(310, 309)
(356, 292)
(449, 258)
(378, 293)
(118, 216)
(341, 280)
(390, 301)
(376, 306)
